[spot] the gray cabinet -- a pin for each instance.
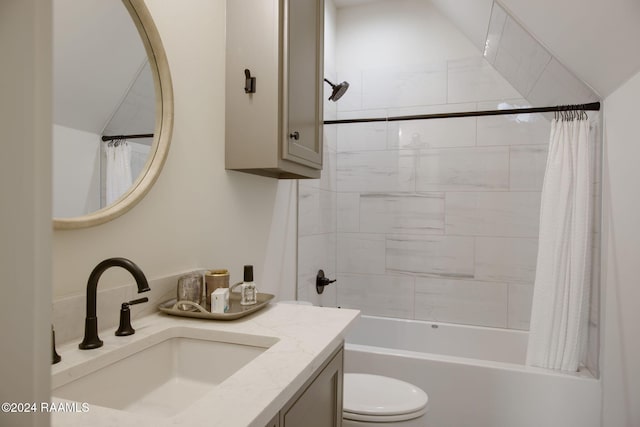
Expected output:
(319, 402)
(275, 127)
(275, 422)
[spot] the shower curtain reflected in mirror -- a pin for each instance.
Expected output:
(118, 174)
(560, 310)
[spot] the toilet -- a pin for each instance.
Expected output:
(374, 400)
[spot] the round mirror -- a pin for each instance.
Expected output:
(113, 109)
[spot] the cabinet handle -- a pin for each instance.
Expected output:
(249, 82)
(294, 135)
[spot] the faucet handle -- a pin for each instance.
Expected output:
(322, 281)
(55, 357)
(125, 327)
(137, 301)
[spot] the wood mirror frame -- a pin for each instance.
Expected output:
(163, 128)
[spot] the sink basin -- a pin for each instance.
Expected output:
(172, 371)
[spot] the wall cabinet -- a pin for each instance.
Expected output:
(275, 127)
(319, 402)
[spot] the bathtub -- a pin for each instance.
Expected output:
(474, 376)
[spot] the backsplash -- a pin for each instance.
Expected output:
(69, 313)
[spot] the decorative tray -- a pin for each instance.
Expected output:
(236, 310)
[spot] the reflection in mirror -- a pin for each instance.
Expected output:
(108, 82)
(102, 86)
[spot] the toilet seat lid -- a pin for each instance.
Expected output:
(376, 395)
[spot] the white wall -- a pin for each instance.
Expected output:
(377, 32)
(76, 172)
(25, 217)
(621, 250)
(197, 214)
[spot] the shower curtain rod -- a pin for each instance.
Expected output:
(593, 106)
(116, 137)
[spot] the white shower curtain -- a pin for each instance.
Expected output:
(559, 314)
(118, 174)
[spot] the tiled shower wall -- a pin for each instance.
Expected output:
(317, 210)
(438, 219)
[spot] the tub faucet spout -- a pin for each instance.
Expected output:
(91, 339)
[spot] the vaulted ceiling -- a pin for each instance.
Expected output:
(97, 56)
(596, 40)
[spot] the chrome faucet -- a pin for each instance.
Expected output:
(91, 339)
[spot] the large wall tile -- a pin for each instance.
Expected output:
(494, 33)
(327, 180)
(413, 134)
(443, 256)
(463, 169)
(385, 295)
(419, 85)
(330, 135)
(361, 253)
(435, 133)
(362, 114)
(520, 58)
(506, 259)
(558, 86)
(316, 211)
(474, 79)
(516, 129)
(529, 67)
(314, 253)
(348, 218)
(417, 213)
(372, 171)
(520, 298)
(461, 301)
(362, 136)
(328, 175)
(527, 166)
(507, 214)
(352, 99)
(416, 110)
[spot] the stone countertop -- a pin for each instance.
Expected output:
(306, 336)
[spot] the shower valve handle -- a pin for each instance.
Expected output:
(322, 281)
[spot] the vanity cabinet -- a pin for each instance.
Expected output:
(319, 402)
(273, 124)
(275, 422)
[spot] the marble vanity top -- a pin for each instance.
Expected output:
(306, 337)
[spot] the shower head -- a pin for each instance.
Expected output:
(338, 90)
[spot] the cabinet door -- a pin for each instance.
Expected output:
(320, 404)
(304, 33)
(252, 120)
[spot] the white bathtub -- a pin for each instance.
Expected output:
(474, 376)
